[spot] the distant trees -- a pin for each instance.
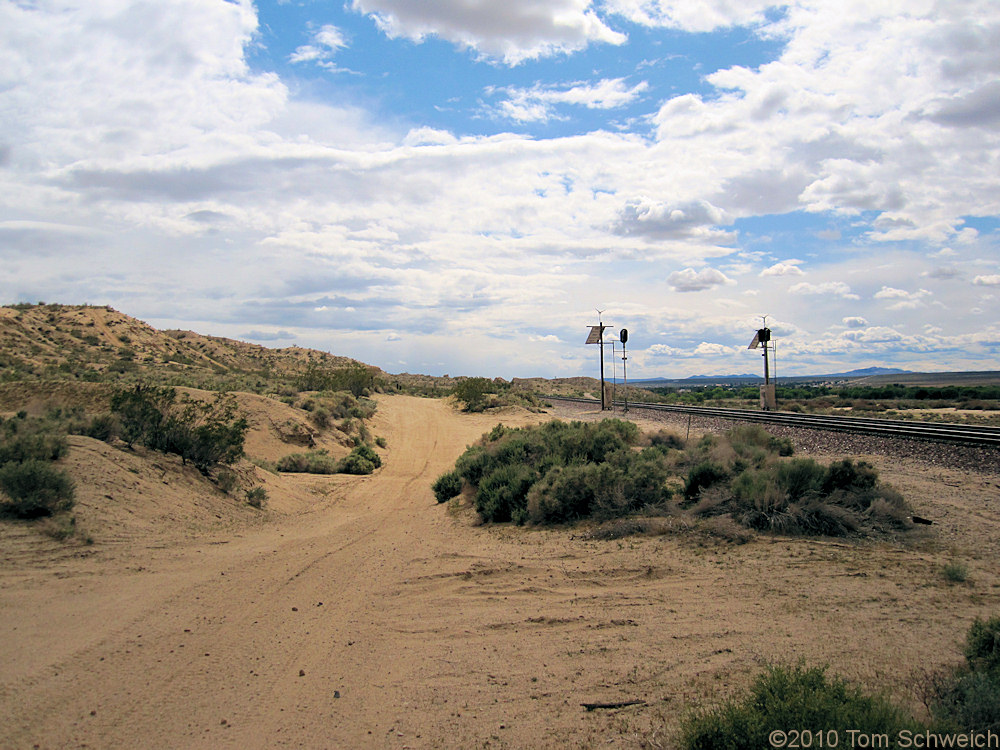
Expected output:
(472, 391)
(356, 378)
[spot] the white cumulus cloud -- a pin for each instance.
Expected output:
(325, 44)
(540, 102)
(832, 288)
(512, 31)
(788, 268)
(690, 280)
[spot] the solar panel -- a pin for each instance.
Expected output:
(595, 334)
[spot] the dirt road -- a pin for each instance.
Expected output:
(377, 618)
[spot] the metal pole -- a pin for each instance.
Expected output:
(767, 377)
(625, 377)
(614, 376)
(604, 406)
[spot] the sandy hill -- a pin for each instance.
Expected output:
(85, 342)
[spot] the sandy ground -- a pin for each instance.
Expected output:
(359, 613)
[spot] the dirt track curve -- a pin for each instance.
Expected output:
(379, 619)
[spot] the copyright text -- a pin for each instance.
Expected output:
(805, 739)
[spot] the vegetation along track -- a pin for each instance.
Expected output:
(936, 431)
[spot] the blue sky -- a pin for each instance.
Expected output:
(455, 186)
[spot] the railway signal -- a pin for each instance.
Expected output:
(597, 337)
(768, 400)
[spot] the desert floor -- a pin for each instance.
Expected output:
(356, 612)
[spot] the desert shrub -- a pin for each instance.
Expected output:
(502, 494)
(142, 411)
(25, 446)
(34, 488)
(564, 494)
(799, 496)
(204, 433)
(508, 462)
(352, 463)
(792, 698)
(257, 497)
(472, 392)
(311, 462)
(956, 572)
(577, 470)
(474, 464)
(361, 460)
(970, 703)
(101, 427)
(701, 476)
(227, 480)
(847, 475)
(969, 698)
(497, 432)
(800, 477)
(666, 439)
(982, 645)
(355, 378)
(321, 418)
(645, 479)
(368, 453)
(447, 486)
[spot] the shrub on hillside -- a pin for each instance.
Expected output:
(257, 497)
(34, 488)
(42, 446)
(982, 645)
(356, 378)
(204, 433)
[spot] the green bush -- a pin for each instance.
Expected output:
(982, 646)
(502, 494)
(312, 462)
(559, 472)
(204, 433)
(793, 698)
(472, 392)
(969, 700)
(34, 488)
(356, 378)
(447, 486)
(361, 460)
(564, 494)
(41, 446)
(355, 464)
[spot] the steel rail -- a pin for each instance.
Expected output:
(935, 431)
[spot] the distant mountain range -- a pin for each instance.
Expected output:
(861, 373)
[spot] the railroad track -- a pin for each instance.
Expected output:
(945, 432)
